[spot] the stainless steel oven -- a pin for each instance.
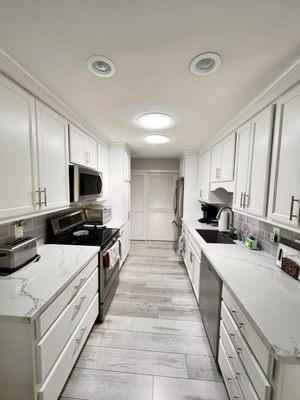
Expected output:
(109, 277)
(85, 183)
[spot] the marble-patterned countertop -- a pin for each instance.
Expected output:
(269, 297)
(117, 224)
(26, 293)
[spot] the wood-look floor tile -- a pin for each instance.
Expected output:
(106, 385)
(134, 310)
(181, 284)
(179, 313)
(171, 327)
(203, 367)
(134, 361)
(187, 389)
(115, 322)
(156, 342)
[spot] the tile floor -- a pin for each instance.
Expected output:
(152, 345)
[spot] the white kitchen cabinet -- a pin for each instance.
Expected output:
(83, 149)
(126, 201)
(17, 151)
(285, 181)
(192, 260)
(103, 167)
(204, 176)
(242, 164)
(259, 163)
(252, 163)
(52, 140)
(127, 166)
(222, 160)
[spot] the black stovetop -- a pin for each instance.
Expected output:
(86, 235)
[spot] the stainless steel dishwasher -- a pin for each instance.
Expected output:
(210, 302)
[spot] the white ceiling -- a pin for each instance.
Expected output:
(152, 43)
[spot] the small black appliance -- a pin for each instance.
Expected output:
(209, 213)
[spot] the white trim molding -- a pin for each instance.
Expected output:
(13, 70)
(289, 77)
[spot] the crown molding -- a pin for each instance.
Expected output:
(119, 145)
(289, 77)
(14, 71)
(190, 153)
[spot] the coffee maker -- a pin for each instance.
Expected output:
(209, 213)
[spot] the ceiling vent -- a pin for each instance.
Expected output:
(101, 66)
(205, 64)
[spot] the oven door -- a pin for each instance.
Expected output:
(108, 272)
(85, 183)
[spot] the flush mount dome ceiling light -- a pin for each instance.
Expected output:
(101, 66)
(157, 139)
(155, 121)
(205, 64)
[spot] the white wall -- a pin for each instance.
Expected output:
(154, 164)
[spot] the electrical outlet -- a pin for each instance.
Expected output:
(274, 236)
(19, 230)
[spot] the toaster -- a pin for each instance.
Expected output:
(17, 253)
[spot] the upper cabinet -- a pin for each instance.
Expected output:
(17, 151)
(285, 177)
(52, 140)
(127, 167)
(222, 160)
(204, 176)
(83, 149)
(253, 163)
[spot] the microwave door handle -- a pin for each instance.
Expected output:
(98, 184)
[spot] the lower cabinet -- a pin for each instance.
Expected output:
(192, 261)
(125, 241)
(37, 357)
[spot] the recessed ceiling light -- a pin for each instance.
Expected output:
(205, 64)
(101, 66)
(155, 121)
(157, 139)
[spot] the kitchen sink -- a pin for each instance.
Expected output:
(214, 236)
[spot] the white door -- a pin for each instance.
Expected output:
(52, 139)
(138, 206)
(259, 164)
(242, 162)
(286, 190)
(160, 213)
(77, 152)
(91, 151)
(17, 150)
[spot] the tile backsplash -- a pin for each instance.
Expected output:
(260, 229)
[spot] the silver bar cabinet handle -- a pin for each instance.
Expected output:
(292, 215)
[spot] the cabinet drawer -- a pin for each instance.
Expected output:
(228, 376)
(260, 351)
(56, 380)
(256, 375)
(44, 322)
(54, 340)
(238, 370)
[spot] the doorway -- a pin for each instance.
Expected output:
(152, 209)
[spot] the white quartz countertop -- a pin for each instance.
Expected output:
(26, 293)
(117, 224)
(269, 297)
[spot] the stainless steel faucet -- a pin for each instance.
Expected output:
(230, 224)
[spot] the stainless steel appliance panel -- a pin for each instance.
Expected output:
(178, 209)
(210, 302)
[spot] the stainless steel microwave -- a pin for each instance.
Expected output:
(85, 183)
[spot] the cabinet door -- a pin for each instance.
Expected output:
(127, 237)
(126, 214)
(91, 150)
(52, 138)
(242, 163)
(261, 137)
(286, 183)
(17, 150)
(204, 176)
(196, 274)
(77, 151)
(227, 158)
(216, 161)
(127, 167)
